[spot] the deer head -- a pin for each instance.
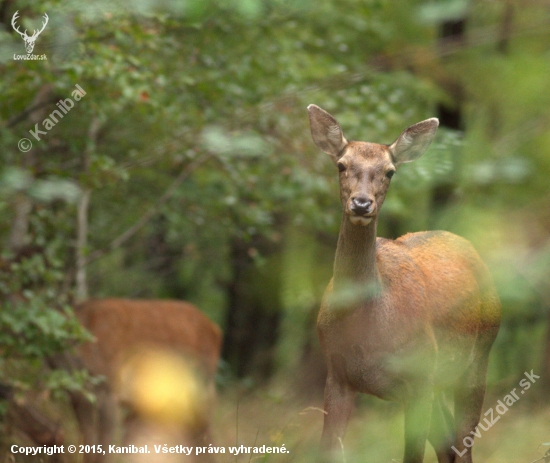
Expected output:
(367, 168)
(29, 41)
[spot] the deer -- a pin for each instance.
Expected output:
(29, 41)
(407, 319)
(129, 335)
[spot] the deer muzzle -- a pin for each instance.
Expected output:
(362, 210)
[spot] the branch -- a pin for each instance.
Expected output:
(26, 112)
(130, 232)
(30, 419)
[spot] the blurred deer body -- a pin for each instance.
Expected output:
(403, 319)
(120, 325)
(146, 349)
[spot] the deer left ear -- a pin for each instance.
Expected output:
(413, 141)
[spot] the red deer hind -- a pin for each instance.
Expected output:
(423, 312)
(123, 327)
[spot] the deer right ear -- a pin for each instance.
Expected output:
(326, 132)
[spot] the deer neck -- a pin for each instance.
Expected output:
(355, 259)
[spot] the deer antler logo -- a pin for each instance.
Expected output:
(29, 41)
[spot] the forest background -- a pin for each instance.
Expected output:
(187, 171)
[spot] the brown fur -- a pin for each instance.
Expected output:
(123, 327)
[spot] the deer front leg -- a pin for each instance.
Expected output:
(418, 410)
(338, 406)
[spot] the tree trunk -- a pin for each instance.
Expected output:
(20, 225)
(82, 217)
(81, 244)
(254, 308)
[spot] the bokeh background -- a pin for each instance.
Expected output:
(187, 171)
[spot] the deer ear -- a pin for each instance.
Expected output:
(413, 141)
(326, 132)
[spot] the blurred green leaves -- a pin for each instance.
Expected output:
(223, 144)
(508, 170)
(435, 12)
(14, 180)
(174, 81)
(32, 330)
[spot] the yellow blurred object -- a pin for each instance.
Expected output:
(163, 387)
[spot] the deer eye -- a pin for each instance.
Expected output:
(341, 166)
(390, 173)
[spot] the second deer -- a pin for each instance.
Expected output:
(138, 348)
(402, 319)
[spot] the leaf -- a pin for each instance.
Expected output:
(438, 12)
(53, 189)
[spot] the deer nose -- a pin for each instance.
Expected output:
(361, 205)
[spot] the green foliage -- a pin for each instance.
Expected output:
(218, 89)
(33, 330)
(60, 381)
